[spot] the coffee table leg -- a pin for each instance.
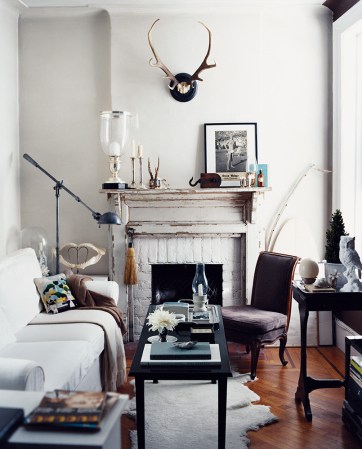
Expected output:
(222, 393)
(140, 407)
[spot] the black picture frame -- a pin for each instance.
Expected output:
(231, 149)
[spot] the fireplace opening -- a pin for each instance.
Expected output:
(172, 282)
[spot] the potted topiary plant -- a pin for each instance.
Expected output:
(333, 236)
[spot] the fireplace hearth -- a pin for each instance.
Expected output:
(172, 282)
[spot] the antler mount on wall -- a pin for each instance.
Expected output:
(183, 87)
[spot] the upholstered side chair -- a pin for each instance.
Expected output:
(266, 319)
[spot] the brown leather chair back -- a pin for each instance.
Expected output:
(273, 276)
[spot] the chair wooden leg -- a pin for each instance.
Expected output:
(255, 349)
(283, 343)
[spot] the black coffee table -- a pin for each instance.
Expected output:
(216, 374)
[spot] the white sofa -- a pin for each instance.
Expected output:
(39, 351)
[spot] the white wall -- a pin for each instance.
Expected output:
(273, 68)
(9, 160)
(64, 83)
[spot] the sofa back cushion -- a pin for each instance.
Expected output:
(7, 335)
(19, 298)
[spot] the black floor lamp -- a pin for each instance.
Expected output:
(109, 218)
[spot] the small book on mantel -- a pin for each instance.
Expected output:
(167, 351)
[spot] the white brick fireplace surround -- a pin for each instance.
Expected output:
(220, 226)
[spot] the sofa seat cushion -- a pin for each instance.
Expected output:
(64, 362)
(90, 333)
(19, 298)
(249, 319)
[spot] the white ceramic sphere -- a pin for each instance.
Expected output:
(308, 268)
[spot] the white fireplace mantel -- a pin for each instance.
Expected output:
(176, 213)
(143, 208)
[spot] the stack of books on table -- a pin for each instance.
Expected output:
(352, 405)
(355, 372)
(70, 410)
(202, 353)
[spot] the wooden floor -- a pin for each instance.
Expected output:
(276, 386)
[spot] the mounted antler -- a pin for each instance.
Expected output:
(204, 65)
(158, 63)
(185, 83)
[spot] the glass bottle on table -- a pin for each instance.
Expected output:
(200, 279)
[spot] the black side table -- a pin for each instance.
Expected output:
(323, 301)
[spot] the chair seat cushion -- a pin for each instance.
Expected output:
(251, 320)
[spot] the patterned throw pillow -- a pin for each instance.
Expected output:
(55, 293)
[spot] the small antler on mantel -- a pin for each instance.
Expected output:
(155, 181)
(149, 168)
(157, 168)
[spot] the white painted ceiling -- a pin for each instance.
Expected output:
(104, 3)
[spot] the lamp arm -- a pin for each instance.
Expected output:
(60, 185)
(95, 215)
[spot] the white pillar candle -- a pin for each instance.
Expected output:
(114, 149)
(140, 150)
(133, 148)
(200, 290)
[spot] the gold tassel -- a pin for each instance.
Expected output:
(130, 269)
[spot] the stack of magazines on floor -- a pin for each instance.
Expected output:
(70, 410)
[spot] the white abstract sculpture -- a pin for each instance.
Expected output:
(352, 262)
(76, 249)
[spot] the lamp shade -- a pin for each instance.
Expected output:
(114, 131)
(109, 218)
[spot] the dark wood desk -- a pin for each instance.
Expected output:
(215, 374)
(318, 302)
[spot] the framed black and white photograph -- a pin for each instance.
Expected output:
(230, 148)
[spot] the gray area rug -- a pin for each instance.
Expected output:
(183, 415)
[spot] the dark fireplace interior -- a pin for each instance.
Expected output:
(171, 282)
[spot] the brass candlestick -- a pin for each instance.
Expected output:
(141, 185)
(133, 183)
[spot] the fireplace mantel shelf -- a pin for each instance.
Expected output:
(187, 192)
(246, 200)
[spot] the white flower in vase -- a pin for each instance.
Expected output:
(161, 319)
